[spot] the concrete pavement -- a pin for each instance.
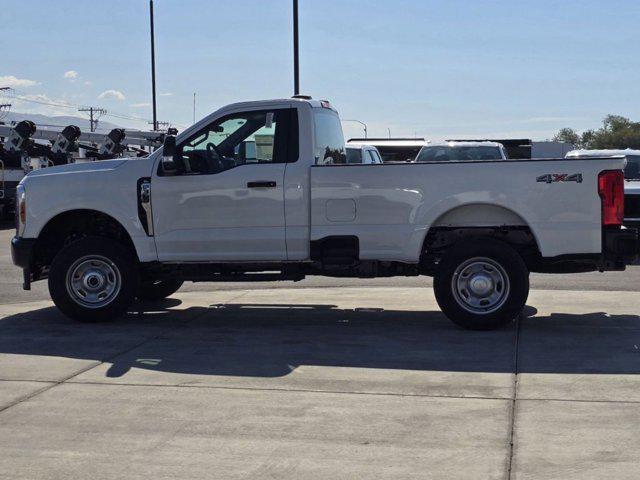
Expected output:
(322, 383)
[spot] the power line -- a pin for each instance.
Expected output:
(22, 97)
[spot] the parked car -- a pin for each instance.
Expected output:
(393, 150)
(631, 175)
(199, 210)
(366, 154)
(461, 151)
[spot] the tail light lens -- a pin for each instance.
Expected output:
(611, 190)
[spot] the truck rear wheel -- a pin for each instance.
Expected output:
(155, 290)
(93, 279)
(481, 284)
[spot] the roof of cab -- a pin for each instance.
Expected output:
(326, 104)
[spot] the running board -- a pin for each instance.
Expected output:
(249, 277)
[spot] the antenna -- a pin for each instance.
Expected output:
(93, 111)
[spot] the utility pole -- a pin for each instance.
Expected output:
(296, 61)
(4, 107)
(389, 130)
(153, 68)
(93, 111)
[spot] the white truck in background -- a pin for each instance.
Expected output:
(207, 208)
(393, 150)
(455, 151)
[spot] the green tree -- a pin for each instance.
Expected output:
(617, 132)
(567, 135)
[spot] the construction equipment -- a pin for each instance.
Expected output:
(25, 147)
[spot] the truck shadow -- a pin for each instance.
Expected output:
(273, 340)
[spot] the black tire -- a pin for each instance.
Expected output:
(156, 290)
(479, 259)
(117, 273)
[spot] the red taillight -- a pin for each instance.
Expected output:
(611, 190)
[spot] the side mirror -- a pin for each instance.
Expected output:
(169, 157)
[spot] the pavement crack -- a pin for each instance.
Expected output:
(514, 400)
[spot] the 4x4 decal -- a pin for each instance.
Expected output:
(559, 177)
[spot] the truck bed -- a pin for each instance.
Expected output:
(390, 207)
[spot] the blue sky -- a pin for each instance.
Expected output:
(430, 68)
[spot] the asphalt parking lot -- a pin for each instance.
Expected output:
(322, 379)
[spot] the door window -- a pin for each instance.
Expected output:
(256, 137)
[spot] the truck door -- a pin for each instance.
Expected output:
(225, 199)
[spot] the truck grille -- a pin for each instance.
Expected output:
(632, 207)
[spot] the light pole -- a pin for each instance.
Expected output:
(296, 61)
(153, 67)
(364, 125)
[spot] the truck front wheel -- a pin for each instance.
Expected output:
(481, 284)
(93, 279)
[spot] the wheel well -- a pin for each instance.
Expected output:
(439, 239)
(480, 215)
(71, 225)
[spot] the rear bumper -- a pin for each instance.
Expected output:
(620, 243)
(620, 247)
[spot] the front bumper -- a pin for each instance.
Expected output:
(22, 256)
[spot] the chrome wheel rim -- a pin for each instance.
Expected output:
(93, 281)
(480, 285)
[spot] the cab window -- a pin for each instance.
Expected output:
(256, 137)
(329, 146)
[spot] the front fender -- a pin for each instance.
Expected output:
(111, 191)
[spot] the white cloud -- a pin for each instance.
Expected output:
(166, 94)
(140, 105)
(71, 75)
(11, 81)
(112, 94)
(87, 82)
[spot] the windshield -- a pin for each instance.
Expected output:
(445, 153)
(392, 154)
(632, 169)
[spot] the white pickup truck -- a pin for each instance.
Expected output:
(249, 193)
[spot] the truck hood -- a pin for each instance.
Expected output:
(85, 167)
